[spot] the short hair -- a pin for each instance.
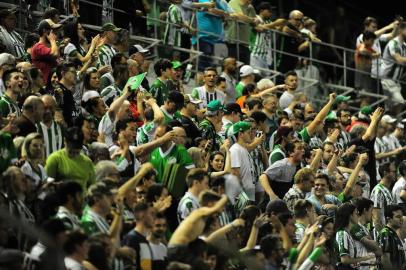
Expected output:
(285, 217)
(66, 189)
(103, 168)
(368, 35)
(153, 191)
(210, 69)
(290, 146)
(323, 176)
(402, 168)
(73, 239)
(300, 208)
(96, 192)
(161, 64)
(303, 174)
(384, 168)
(252, 102)
(123, 123)
(357, 131)
(50, 13)
(340, 112)
(8, 73)
(362, 204)
(207, 197)
(264, 6)
(195, 175)
(99, 151)
(140, 207)
(259, 117)
(116, 60)
(290, 73)
(268, 245)
(328, 143)
(220, 80)
(248, 89)
(390, 209)
(63, 68)
(369, 20)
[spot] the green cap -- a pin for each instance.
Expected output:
(367, 110)
(136, 81)
(215, 105)
(110, 27)
(331, 116)
(176, 64)
(241, 126)
(341, 98)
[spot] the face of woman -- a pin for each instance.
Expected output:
(329, 230)
(54, 79)
(39, 81)
(217, 163)
(36, 148)
(81, 31)
(94, 81)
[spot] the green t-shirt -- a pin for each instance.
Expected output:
(304, 135)
(244, 30)
(146, 132)
(276, 154)
(175, 154)
(159, 90)
(80, 169)
(238, 89)
(8, 152)
(342, 198)
(7, 106)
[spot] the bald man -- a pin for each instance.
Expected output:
(50, 130)
(33, 112)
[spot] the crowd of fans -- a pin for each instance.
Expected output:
(103, 168)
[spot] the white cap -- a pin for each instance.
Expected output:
(189, 98)
(388, 119)
(7, 59)
(89, 95)
(247, 70)
(400, 125)
(140, 48)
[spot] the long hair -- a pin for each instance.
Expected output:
(70, 30)
(343, 215)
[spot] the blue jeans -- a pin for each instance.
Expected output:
(207, 49)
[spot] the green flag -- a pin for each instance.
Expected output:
(136, 81)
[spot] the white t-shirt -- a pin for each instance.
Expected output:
(71, 264)
(159, 251)
(397, 188)
(241, 158)
(285, 100)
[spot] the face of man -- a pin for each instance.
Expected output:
(298, 152)
(271, 104)
(130, 132)
(296, 124)
(291, 82)
(111, 37)
(320, 187)
(159, 228)
(9, 22)
(177, 74)
(222, 86)
(49, 109)
(345, 118)
(70, 76)
(397, 220)
(309, 110)
(192, 109)
(266, 14)
(39, 112)
(230, 65)
(372, 27)
(180, 136)
(149, 217)
(100, 108)
(210, 78)
(328, 152)
(203, 185)
(15, 83)
(308, 184)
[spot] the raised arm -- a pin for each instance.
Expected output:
(314, 165)
(370, 133)
(54, 46)
(363, 158)
(146, 148)
(216, 208)
(227, 166)
(158, 114)
(332, 165)
(130, 184)
(311, 128)
(115, 106)
(221, 233)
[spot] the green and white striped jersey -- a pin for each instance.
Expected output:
(110, 93)
(346, 244)
(260, 42)
(146, 133)
(106, 52)
(381, 196)
(172, 34)
(7, 106)
(53, 137)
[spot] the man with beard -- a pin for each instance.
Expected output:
(45, 52)
(208, 92)
(50, 130)
(229, 68)
(13, 81)
(344, 121)
(188, 116)
(144, 217)
(71, 201)
(156, 241)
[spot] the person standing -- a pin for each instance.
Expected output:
(13, 81)
(242, 164)
(159, 89)
(106, 51)
(33, 111)
(9, 37)
(229, 73)
(187, 118)
(208, 92)
(211, 125)
(291, 83)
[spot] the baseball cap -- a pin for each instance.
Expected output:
(110, 27)
(7, 59)
(388, 119)
(176, 64)
(137, 48)
(215, 105)
(241, 126)
(74, 137)
(52, 24)
(89, 95)
(400, 125)
(232, 107)
(7, 12)
(247, 70)
(365, 112)
(342, 98)
(189, 98)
